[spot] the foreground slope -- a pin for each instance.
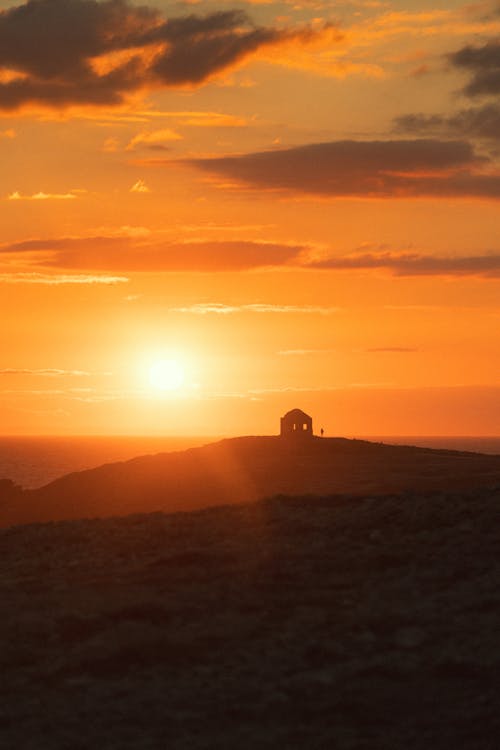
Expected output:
(248, 468)
(302, 623)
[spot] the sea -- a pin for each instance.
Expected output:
(34, 461)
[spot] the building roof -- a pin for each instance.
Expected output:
(296, 414)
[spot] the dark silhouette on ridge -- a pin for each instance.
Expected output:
(296, 424)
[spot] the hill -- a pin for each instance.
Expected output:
(243, 469)
(302, 623)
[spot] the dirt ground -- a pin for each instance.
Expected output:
(334, 623)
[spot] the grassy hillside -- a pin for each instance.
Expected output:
(307, 623)
(244, 469)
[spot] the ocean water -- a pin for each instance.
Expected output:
(35, 461)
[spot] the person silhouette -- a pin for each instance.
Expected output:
(322, 432)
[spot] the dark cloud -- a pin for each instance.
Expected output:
(201, 47)
(416, 264)
(53, 38)
(483, 63)
(125, 253)
(395, 168)
(110, 89)
(52, 46)
(475, 122)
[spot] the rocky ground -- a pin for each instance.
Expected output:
(337, 623)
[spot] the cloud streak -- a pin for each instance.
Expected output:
(153, 139)
(391, 350)
(41, 196)
(61, 279)
(303, 352)
(46, 372)
(113, 253)
(365, 169)
(219, 308)
(133, 250)
(415, 264)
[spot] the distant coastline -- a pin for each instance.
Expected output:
(32, 461)
(477, 443)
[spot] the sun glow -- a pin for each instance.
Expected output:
(167, 375)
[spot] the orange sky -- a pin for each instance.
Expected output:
(297, 203)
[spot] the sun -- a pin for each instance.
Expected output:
(167, 375)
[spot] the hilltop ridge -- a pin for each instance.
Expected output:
(242, 469)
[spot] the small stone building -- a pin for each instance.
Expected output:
(296, 424)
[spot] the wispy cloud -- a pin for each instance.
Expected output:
(219, 308)
(319, 388)
(46, 372)
(134, 116)
(196, 119)
(58, 279)
(304, 352)
(41, 196)
(391, 350)
(153, 139)
(140, 187)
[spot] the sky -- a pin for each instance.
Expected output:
(213, 212)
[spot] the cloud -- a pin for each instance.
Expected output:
(136, 253)
(40, 196)
(59, 53)
(153, 139)
(47, 372)
(140, 187)
(303, 352)
(208, 119)
(483, 64)
(131, 249)
(312, 352)
(59, 279)
(111, 145)
(483, 9)
(474, 122)
(391, 350)
(320, 388)
(220, 308)
(368, 169)
(415, 264)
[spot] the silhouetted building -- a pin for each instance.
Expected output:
(296, 424)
